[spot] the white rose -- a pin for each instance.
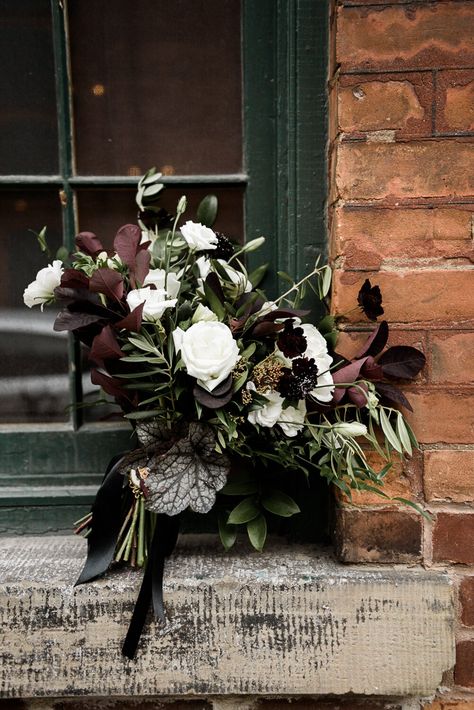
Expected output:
(317, 349)
(157, 277)
(350, 429)
(209, 352)
(198, 237)
(155, 300)
(40, 291)
(203, 313)
(269, 414)
(292, 419)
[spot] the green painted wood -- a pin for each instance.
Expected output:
(40, 520)
(285, 65)
(46, 451)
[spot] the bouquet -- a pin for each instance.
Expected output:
(223, 385)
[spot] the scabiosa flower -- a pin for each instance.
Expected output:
(369, 299)
(300, 380)
(224, 248)
(291, 341)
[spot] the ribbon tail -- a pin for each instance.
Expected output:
(162, 545)
(105, 525)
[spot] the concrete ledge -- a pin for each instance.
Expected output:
(289, 621)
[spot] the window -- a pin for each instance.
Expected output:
(225, 96)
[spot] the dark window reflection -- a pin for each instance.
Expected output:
(33, 375)
(28, 129)
(156, 83)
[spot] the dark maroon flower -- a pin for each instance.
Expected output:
(224, 248)
(153, 219)
(369, 299)
(292, 341)
(300, 380)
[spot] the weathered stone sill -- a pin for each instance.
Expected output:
(290, 621)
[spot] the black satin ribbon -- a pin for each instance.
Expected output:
(105, 525)
(162, 545)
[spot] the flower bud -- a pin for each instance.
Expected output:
(350, 429)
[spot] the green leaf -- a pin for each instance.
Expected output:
(207, 210)
(249, 351)
(244, 511)
(280, 504)
(415, 506)
(227, 533)
(240, 381)
(326, 281)
(327, 324)
(240, 488)
(213, 301)
(62, 254)
(256, 276)
(403, 434)
(257, 532)
(388, 431)
(143, 415)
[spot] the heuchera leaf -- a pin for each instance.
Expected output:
(105, 346)
(402, 361)
(133, 321)
(88, 243)
(392, 395)
(376, 342)
(108, 282)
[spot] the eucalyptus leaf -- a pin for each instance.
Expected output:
(389, 432)
(403, 434)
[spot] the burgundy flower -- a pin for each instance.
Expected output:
(292, 341)
(300, 380)
(369, 299)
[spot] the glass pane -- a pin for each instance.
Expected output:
(33, 377)
(28, 129)
(156, 83)
(104, 211)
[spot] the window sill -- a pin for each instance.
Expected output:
(288, 621)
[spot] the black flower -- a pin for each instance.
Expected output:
(292, 341)
(224, 248)
(369, 299)
(300, 380)
(153, 219)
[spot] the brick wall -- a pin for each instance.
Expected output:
(402, 209)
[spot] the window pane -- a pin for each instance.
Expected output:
(104, 211)
(28, 129)
(156, 83)
(33, 376)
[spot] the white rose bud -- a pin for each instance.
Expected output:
(155, 300)
(203, 313)
(349, 429)
(41, 290)
(198, 237)
(209, 352)
(253, 244)
(157, 277)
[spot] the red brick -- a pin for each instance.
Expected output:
(442, 416)
(452, 357)
(368, 237)
(378, 102)
(449, 475)
(466, 598)
(455, 101)
(450, 705)
(409, 296)
(395, 171)
(464, 670)
(453, 537)
(378, 535)
(427, 35)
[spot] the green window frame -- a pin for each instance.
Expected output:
(49, 472)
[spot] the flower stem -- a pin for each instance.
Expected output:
(141, 534)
